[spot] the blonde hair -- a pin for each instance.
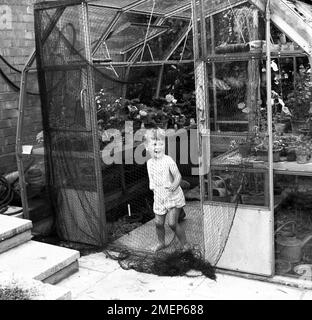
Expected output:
(155, 134)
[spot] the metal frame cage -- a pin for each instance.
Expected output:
(126, 53)
(85, 48)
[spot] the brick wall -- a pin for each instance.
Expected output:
(16, 44)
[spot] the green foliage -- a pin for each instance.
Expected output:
(299, 100)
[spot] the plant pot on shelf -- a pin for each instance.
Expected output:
(302, 158)
(262, 155)
(297, 125)
(291, 154)
(244, 148)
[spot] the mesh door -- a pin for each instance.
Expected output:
(66, 85)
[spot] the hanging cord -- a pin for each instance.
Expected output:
(11, 83)
(148, 28)
(185, 41)
(6, 194)
(9, 64)
(236, 200)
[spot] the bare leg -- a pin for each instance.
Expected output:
(160, 231)
(173, 216)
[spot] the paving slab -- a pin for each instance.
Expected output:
(15, 241)
(101, 278)
(11, 226)
(37, 260)
(99, 262)
(231, 287)
(34, 288)
(80, 281)
(13, 232)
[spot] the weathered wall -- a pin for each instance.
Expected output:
(17, 41)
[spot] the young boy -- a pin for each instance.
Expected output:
(164, 180)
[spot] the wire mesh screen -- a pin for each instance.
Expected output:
(67, 118)
(127, 107)
(125, 103)
(236, 91)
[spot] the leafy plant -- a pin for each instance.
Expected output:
(304, 146)
(111, 111)
(299, 100)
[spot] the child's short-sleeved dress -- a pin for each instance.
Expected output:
(161, 175)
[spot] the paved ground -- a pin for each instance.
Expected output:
(101, 278)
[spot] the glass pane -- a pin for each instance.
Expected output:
(239, 141)
(130, 35)
(99, 20)
(162, 6)
(171, 44)
(112, 3)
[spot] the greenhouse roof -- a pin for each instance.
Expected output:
(165, 8)
(292, 17)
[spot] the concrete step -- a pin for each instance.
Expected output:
(33, 289)
(13, 232)
(40, 261)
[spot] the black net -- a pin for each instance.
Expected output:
(66, 82)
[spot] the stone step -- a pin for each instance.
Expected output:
(31, 288)
(13, 232)
(40, 261)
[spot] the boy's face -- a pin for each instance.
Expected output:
(156, 148)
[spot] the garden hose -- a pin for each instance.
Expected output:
(6, 194)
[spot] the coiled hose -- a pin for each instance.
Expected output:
(6, 194)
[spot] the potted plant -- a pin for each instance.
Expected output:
(262, 149)
(245, 147)
(299, 101)
(303, 150)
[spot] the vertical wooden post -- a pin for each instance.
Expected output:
(96, 151)
(253, 75)
(19, 146)
(199, 103)
(215, 110)
(269, 106)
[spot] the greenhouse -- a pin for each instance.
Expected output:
(230, 83)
